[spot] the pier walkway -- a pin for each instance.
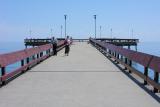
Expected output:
(85, 78)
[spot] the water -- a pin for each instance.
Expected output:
(146, 47)
(150, 48)
(6, 47)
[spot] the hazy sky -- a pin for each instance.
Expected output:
(18, 17)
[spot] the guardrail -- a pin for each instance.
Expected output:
(28, 58)
(147, 61)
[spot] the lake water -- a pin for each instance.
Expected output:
(146, 47)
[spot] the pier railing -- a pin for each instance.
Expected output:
(126, 57)
(120, 42)
(27, 57)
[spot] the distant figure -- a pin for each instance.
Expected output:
(67, 45)
(54, 45)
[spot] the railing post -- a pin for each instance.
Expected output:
(22, 62)
(41, 54)
(146, 74)
(122, 57)
(130, 64)
(3, 73)
(49, 51)
(38, 56)
(126, 61)
(33, 57)
(117, 56)
(113, 53)
(156, 79)
(27, 60)
(109, 51)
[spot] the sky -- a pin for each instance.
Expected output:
(20, 19)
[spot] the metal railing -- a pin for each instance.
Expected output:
(27, 57)
(147, 61)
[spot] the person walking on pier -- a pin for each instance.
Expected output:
(54, 46)
(67, 45)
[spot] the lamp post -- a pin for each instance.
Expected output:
(61, 30)
(132, 34)
(111, 32)
(95, 17)
(65, 17)
(51, 32)
(100, 28)
(30, 33)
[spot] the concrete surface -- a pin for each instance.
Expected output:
(85, 78)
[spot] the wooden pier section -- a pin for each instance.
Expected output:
(115, 41)
(85, 78)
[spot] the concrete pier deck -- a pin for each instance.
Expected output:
(85, 78)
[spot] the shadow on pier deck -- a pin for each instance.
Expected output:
(85, 78)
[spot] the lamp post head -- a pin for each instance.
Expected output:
(95, 16)
(65, 16)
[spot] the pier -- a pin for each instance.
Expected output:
(97, 73)
(115, 41)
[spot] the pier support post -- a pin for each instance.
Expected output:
(129, 47)
(136, 48)
(156, 79)
(146, 74)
